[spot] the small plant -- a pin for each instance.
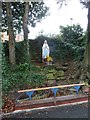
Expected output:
(49, 59)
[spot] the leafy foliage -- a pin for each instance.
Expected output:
(72, 34)
(37, 11)
(71, 42)
(25, 76)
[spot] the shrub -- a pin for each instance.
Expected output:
(24, 76)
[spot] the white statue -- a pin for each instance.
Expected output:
(45, 50)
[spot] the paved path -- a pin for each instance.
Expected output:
(75, 111)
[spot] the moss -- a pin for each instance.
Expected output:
(60, 73)
(61, 68)
(52, 71)
(50, 76)
(58, 78)
(62, 78)
(50, 82)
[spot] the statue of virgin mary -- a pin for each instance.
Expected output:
(45, 50)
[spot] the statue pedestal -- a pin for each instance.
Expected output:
(48, 63)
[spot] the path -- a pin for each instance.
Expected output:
(75, 111)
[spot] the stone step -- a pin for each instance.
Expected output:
(62, 68)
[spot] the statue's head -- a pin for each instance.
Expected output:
(45, 42)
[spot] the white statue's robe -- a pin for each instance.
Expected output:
(45, 50)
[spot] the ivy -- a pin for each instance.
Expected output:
(24, 76)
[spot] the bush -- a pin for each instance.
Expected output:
(25, 76)
(68, 51)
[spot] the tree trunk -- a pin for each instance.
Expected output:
(25, 31)
(11, 35)
(85, 60)
(89, 37)
(85, 68)
(0, 58)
